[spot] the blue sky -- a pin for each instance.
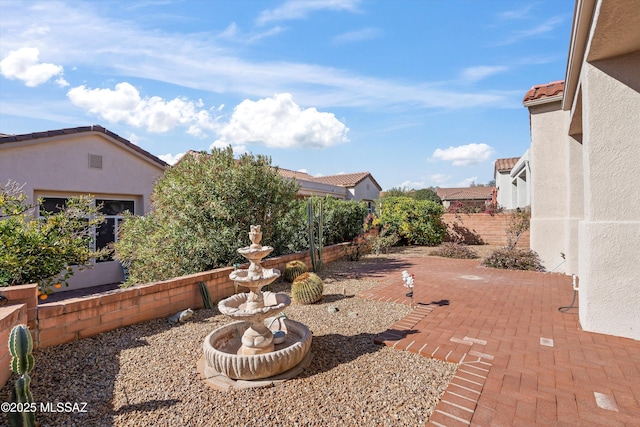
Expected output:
(419, 93)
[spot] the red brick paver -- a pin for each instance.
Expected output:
(521, 361)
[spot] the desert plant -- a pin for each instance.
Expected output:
(312, 225)
(455, 250)
(22, 362)
(293, 269)
(358, 247)
(514, 259)
(518, 222)
(307, 288)
(384, 240)
(206, 297)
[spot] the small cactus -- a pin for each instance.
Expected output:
(20, 347)
(293, 269)
(22, 362)
(307, 288)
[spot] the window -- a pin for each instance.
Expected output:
(112, 210)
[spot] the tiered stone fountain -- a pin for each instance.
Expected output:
(245, 350)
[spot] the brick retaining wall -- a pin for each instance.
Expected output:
(10, 316)
(482, 228)
(75, 318)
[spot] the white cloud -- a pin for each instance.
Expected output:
(544, 28)
(439, 178)
(413, 185)
(464, 155)
(280, 122)
(238, 149)
(172, 159)
(22, 64)
(124, 104)
(205, 62)
(300, 9)
(517, 13)
(467, 182)
(357, 36)
(474, 74)
(303, 171)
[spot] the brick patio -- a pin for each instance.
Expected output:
(521, 361)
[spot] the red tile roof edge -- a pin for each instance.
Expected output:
(545, 90)
(505, 164)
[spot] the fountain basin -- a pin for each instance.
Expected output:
(236, 306)
(255, 280)
(220, 348)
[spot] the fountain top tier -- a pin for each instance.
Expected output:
(255, 278)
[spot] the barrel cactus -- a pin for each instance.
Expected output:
(293, 269)
(307, 288)
(22, 362)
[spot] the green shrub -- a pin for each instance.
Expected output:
(455, 250)
(416, 222)
(514, 259)
(202, 211)
(41, 250)
(342, 222)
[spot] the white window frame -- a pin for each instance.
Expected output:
(117, 218)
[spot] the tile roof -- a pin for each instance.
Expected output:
(465, 193)
(542, 91)
(5, 139)
(506, 164)
(340, 180)
(286, 173)
(347, 179)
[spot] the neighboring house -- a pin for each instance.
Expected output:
(513, 181)
(468, 197)
(359, 186)
(584, 166)
(58, 164)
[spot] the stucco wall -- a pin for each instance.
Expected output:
(575, 204)
(503, 184)
(60, 165)
(361, 192)
(610, 233)
(549, 175)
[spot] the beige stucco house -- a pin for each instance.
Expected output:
(585, 152)
(513, 183)
(58, 164)
(360, 186)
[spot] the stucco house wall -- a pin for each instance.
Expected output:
(503, 184)
(520, 177)
(58, 164)
(610, 232)
(588, 142)
(548, 183)
(367, 191)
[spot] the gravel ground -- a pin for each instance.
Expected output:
(145, 374)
